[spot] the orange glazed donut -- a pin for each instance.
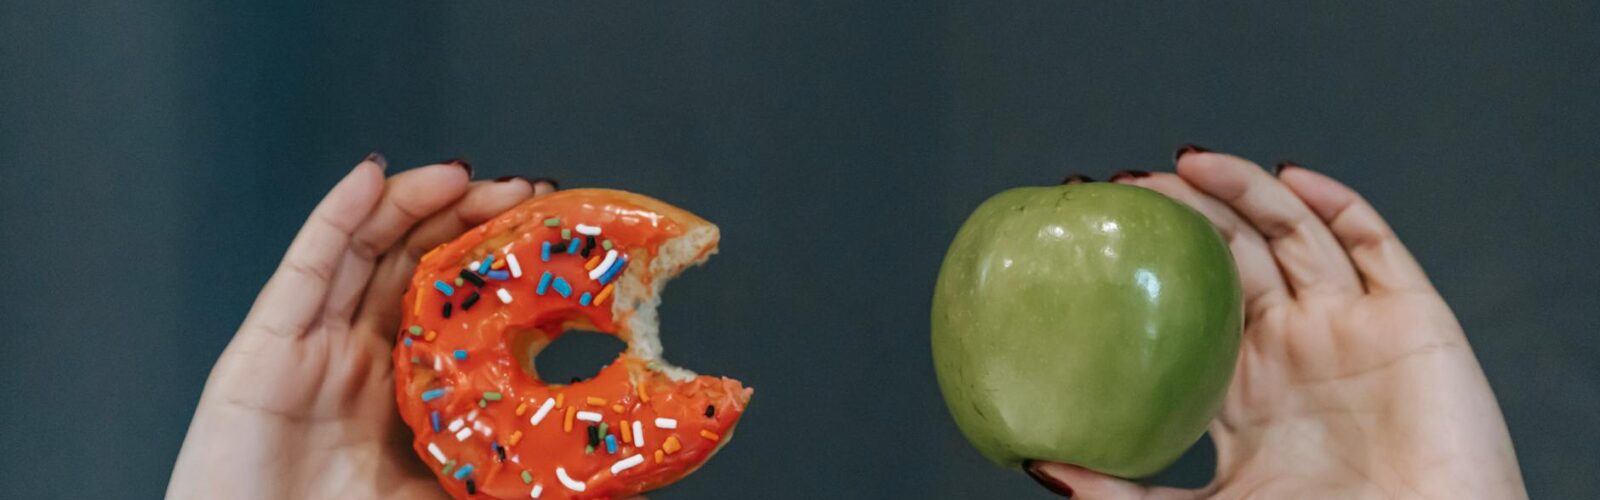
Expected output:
(482, 307)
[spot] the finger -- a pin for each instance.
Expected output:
(380, 308)
(294, 295)
(1379, 256)
(408, 197)
(1263, 284)
(1078, 482)
(1305, 250)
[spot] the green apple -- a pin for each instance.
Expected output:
(1092, 324)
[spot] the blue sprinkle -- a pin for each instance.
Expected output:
(435, 417)
(463, 471)
(432, 394)
(563, 288)
(615, 268)
(544, 282)
(611, 443)
(499, 275)
(583, 300)
(573, 248)
(408, 342)
(488, 260)
(544, 252)
(460, 354)
(444, 288)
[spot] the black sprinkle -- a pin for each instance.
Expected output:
(501, 451)
(594, 436)
(711, 411)
(558, 248)
(471, 278)
(472, 488)
(447, 307)
(469, 301)
(588, 245)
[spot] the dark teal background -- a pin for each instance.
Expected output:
(156, 157)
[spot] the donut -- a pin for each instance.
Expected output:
(479, 310)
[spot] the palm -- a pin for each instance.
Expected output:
(301, 403)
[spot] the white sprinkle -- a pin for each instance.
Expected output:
(472, 415)
(463, 435)
(567, 481)
(666, 423)
(455, 425)
(437, 366)
(537, 490)
(516, 269)
(626, 463)
(437, 455)
(483, 429)
(544, 409)
(504, 295)
(611, 258)
(588, 230)
(638, 434)
(474, 266)
(588, 416)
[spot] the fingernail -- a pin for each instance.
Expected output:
(1186, 149)
(1047, 481)
(1129, 174)
(460, 163)
(1076, 179)
(508, 178)
(552, 182)
(1278, 170)
(376, 157)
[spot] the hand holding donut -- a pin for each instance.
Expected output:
(1354, 378)
(301, 404)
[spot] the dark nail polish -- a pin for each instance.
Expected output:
(508, 178)
(1278, 170)
(1048, 482)
(376, 157)
(552, 182)
(1129, 174)
(1186, 149)
(1076, 179)
(460, 163)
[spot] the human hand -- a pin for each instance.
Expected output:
(1354, 378)
(301, 403)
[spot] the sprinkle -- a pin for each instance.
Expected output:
(594, 435)
(516, 268)
(492, 396)
(499, 264)
(660, 456)
(407, 342)
(447, 307)
(612, 274)
(572, 247)
(516, 436)
(499, 275)
(588, 449)
(505, 296)
(458, 281)
(463, 471)
(488, 263)
(473, 415)
(472, 488)
(588, 229)
(552, 222)
(544, 409)
(444, 288)
(522, 408)
(473, 278)
(448, 466)
(710, 435)
(605, 265)
(583, 300)
(643, 396)
(561, 399)
(432, 334)
(671, 445)
(567, 480)
(432, 394)
(617, 407)
(638, 434)
(627, 463)
(544, 283)
(527, 478)
(500, 451)
(537, 490)
(562, 287)
(606, 244)
(594, 401)
(594, 261)
(666, 423)
(626, 434)
(611, 444)
(544, 252)
(437, 455)
(567, 427)
(473, 266)
(416, 307)
(463, 434)
(566, 234)
(469, 301)
(588, 416)
(435, 418)
(711, 411)
(415, 330)
(461, 354)
(457, 424)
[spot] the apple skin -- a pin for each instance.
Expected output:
(1092, 324)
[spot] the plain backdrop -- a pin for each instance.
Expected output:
(156, 157)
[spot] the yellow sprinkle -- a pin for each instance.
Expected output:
(515, 436)
(627, 434)
(498, 264)
(522, 408)
(416, 310)
(571, 412)
(660, 456)
(643, 396)
(592, 262)
(605, 293)
(709, 435)
(430, 336)
(671, 445)
(561, 400)
(594, 401)
(616, 408)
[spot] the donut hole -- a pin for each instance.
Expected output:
(575, 354)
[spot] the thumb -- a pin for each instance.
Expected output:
(1077, 482)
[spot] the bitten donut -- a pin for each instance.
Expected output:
(482, 307)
